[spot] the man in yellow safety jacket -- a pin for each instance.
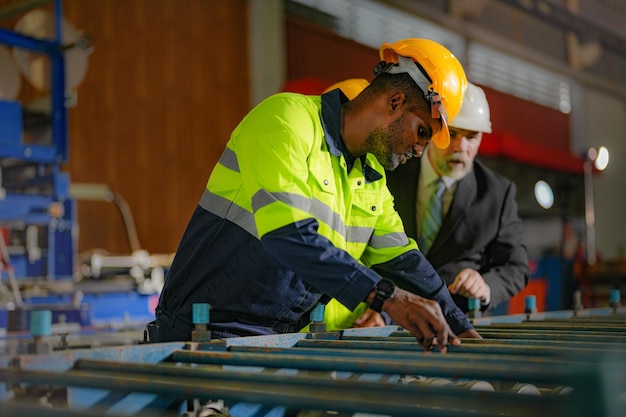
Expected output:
(297, 210)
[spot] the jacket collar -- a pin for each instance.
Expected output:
(331, 121)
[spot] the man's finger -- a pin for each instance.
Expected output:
(427, 335)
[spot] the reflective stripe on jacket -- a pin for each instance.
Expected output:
(284, 224)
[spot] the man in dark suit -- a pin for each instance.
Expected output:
(478, 248)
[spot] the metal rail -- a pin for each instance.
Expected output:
(375, 371)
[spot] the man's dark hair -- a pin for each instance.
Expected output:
(386, 82)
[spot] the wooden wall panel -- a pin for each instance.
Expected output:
(315, 52)
(167, 82)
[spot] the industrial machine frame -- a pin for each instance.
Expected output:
(38, 212)
(567, 363)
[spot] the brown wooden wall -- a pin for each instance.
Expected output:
(167, 82)
(316, 52)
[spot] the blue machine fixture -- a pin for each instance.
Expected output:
(38, 221)
(35, 208)
(37, 215)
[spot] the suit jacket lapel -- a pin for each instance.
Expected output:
(405, 196)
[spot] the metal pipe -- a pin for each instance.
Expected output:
(618, 319)
(555, 332)
(572, 327)
(554, 344)
(19, 409)
(315, 380)
(553, 335)
(102, 192)
(57, 82)
(590, 215)
(5, 259)
(398, 350)
(594, 314)
(393, 400)
(129, 222)
(376, 353)
(214, 374)
(550, 372)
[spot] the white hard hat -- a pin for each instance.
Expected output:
(474, 114)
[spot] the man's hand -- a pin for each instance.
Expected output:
(370, 319)
(469, 283)
(423, 318)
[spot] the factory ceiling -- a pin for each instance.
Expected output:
(586, 39)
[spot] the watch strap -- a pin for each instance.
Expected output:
(377, 303)
(384, 290)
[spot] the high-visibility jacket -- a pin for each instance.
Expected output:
(289, 219)
(337, 316)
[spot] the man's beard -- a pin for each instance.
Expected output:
(454, 169)
(378, 144)
(381, 142)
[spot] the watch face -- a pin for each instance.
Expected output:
(385, 288)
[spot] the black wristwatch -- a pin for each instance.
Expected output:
(385, 290)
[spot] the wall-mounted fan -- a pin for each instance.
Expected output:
(35, 67)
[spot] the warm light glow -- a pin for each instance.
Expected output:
(544, 194)
(592, 154)
(602, 159)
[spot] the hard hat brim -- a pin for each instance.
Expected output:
(441, 139)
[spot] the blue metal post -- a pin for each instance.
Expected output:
(59, 113)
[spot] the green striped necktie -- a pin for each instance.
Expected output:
(433, 216)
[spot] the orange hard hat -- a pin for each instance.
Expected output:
(438, 73)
